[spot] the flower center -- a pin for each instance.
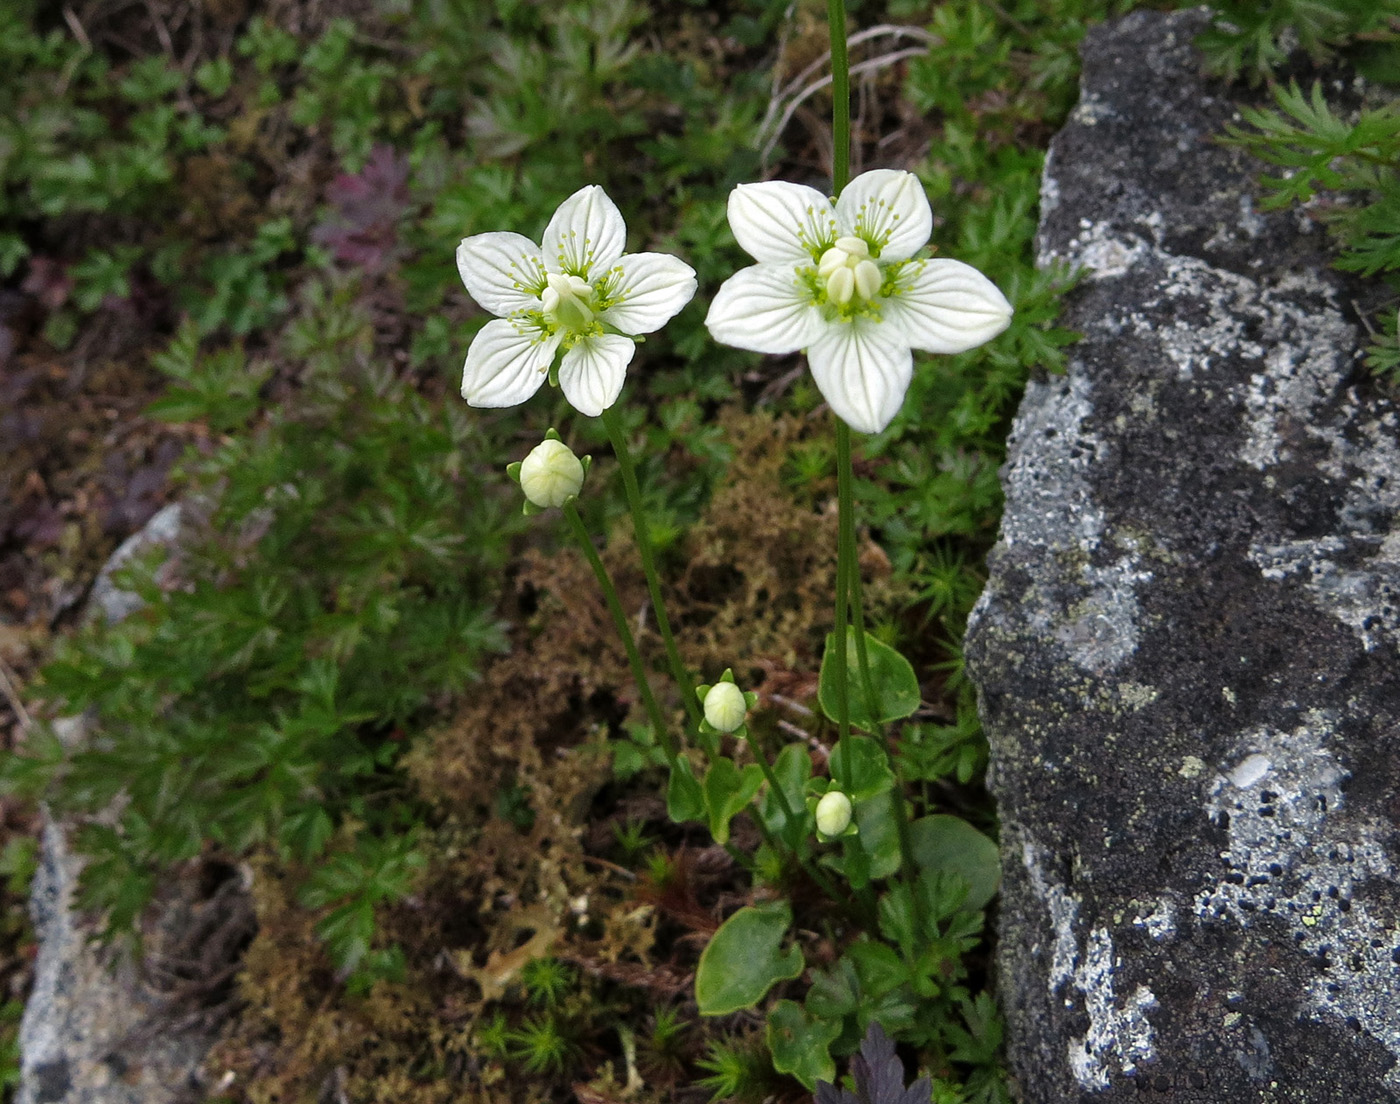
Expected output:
(849, 272)
(568, 301)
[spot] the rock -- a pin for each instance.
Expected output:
(1187, 649)
(97, 1028)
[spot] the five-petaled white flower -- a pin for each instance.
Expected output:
(840, 280)
(576, 291)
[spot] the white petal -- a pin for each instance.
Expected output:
(945, 306)
(592, 372)
(862, 372)
(647, 290)
(889, 209)
(586, 233)
(504, 272)
(766, 308)
(506, 364)
(780, 222)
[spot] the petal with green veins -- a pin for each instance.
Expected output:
(944, 306)
(780, 223)
(506, 363)
(888, 209)
(766, 308)
(646, 290)
(504, 272)
(592, 372)
(862, 373)
(586, 235)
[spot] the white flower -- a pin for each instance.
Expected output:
(833, 813)
(577, 292)
(725, 706)
(840, 280)
(551, 474)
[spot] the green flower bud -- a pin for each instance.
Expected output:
(725, 706)
(833, 813)
(551, 474)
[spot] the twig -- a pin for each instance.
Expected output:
(71, 18)
(796, 86)
(9, 686)
(812, 89)
(794, 731)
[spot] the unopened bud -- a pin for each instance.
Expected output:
(725, 706)
(551, 474)
(833, 813)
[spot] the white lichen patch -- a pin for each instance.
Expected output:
(1353, 575)
(1214, 332)
(1051, 508)
(1100, 250)
(1119, 1038)
(1291, 855)
(1160, 923)
(1064, 911)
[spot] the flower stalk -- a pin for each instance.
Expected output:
(684, 682)
(624, 632)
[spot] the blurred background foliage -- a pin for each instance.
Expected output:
(226, 278)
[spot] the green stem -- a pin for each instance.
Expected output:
(848, 539)
(840, 96)
(643, 531)
(824, 883)
(629, 644)
(844, 496)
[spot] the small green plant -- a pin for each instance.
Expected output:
(736, 1068)
(547, 980)
(1255, 40)
(541, 1045)
(1347, 170)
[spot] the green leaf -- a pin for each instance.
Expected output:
(893, 683)
(685, 800)
(878, 966)
(878, 834)
(792, 769)
(728, 790)
(800, 1045)
(869, 771)
(950, 845)
(745, 959)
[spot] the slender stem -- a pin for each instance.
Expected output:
(789, 819)
(643, 531)
(840, 96)
(634, 657)
(901, 814)
(844, 496)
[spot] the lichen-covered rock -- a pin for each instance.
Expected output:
(97, 1029)
(1187, 649)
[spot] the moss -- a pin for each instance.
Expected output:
(510, 882)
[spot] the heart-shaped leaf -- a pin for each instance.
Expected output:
(744, 959)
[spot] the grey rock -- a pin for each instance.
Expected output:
(98, 1028)
(1187, 649)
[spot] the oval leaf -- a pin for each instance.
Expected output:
(745, 959)
(685, 800)
(891, 675)
(869, 773)
(950, 845)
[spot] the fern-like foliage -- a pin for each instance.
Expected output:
(1348, 170)
(1251, 39)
